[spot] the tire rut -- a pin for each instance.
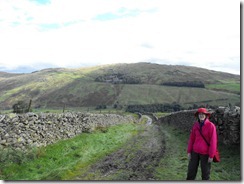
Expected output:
(134, 161)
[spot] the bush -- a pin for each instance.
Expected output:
(20, 107)
(19, 157)
(155, 108)
(195, 84)
(101, 107)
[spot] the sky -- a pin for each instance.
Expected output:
(38, 34)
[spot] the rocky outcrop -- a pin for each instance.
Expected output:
(226, 119)
(21, 131)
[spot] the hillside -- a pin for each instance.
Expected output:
(121, 84)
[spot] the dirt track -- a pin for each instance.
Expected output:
(135, 161)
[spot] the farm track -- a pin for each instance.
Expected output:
(135, 161)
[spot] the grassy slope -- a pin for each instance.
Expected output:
(147, 94)
(226, 86)
(156, 74)
(76, 88)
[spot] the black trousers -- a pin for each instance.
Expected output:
(193, 166)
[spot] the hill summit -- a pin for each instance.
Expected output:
(119, 85)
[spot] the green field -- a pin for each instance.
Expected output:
(231, 87)
(153, 94)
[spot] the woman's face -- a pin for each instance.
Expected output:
(201, 116)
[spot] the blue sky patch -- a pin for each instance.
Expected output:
(70, 23)
(107, 16)
(122, 13)
(50, 26)
(29, 18)
(42, 2)
(15, 23)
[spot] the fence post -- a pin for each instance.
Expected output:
(29, 107)
(64, 108)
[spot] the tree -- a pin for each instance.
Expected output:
(101, 107)
(176, 106)
(20, 107)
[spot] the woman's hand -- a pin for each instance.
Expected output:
(210, 160)
(189, 156)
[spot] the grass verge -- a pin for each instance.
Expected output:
(60, 161)
(173, 166)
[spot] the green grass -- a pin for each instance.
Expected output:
(161, 114)
(173, 166)
(153, 94)
(231, 87)
(62, 160)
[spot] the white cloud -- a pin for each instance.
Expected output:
(68, 33)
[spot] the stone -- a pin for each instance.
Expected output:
(46, 128)
(3, 141)
(226, 119)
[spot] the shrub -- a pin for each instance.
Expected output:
(20, 107)
(196, 84)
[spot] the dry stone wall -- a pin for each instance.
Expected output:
(20, 131)
(226, 119)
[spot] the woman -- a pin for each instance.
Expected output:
(198, 150)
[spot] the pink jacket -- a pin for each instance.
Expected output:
(196, 142)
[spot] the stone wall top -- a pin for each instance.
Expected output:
(226, 119)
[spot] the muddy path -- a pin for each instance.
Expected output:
(137, 160)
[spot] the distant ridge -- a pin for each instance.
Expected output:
(137, 83)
